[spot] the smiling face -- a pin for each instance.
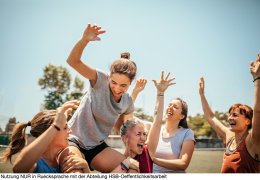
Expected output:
(174, 110)
(237, 121)
(135, 139)
(61, 137)
(119, 84)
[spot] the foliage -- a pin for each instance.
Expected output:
(201, 127)
(141, 115)
(57, 80)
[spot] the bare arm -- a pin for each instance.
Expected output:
(139, 86)
(26, 160)
(74, 60)
(255, 71)
(178, 164)
(220, 129)
(154, 132)
(122, 118)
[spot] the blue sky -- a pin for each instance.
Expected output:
(190, 39)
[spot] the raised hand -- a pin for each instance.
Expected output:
(63, 112)
(164, 83)
(202, 85)
(255, 67)
(140, 85)
(91, 33)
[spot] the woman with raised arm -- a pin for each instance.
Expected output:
(139, 145)
(176, 140)
(105, 102)
(242, 137)
(51, 132)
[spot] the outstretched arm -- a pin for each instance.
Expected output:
(220, 129)
(154, 132)
(255, 71)
(74, 60)
(26, 160)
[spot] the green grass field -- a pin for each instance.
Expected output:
(203, 161)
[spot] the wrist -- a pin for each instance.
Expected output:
(256, 78)
(160, 93)
(124, 167)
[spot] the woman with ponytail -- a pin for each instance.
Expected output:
(51, 132)
(105, 103)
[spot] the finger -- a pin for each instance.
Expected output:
(202, 80)
(167, 76)
(155, 82)
(171, 80)
(162, 76)
(97, 39)
(171, 84)
(252, 64)
(101, 31)
(68, 111)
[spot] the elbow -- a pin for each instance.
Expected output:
(183, 166)
(18, 169)
(70, 62)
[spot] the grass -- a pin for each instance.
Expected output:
(203, 161)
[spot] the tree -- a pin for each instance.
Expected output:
(57, 80)
(141, 115)
(201, 127)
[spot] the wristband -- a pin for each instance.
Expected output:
(256, 79)
(160, 94)
(123, 167)
(56, 127)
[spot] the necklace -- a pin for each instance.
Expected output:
(233, 147)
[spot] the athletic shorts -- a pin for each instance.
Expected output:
(90, 153)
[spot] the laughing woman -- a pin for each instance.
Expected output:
(243, 136)
(140, 145)
(51, 132)
(177, 141)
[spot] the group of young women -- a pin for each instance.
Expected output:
(80, 146)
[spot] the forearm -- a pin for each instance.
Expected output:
(75, 56)
(257, 96)
(154, 133)
(208, 113)
(256, 112)
(134, 95)
(30, 154)
(173, 164)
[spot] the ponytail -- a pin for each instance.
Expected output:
(17, 141)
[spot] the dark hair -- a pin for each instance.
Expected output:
(40, 123)
(245, 110)
(124, 66)
(183, 122)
